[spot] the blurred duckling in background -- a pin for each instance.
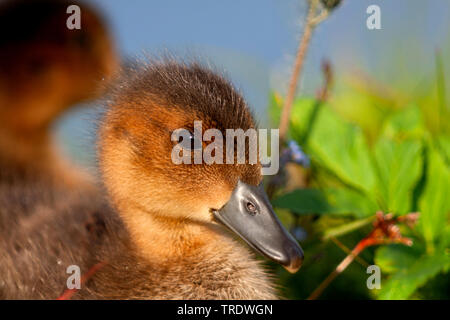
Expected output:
(45, 68)
(169, 231)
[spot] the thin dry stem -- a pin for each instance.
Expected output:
(312, 19)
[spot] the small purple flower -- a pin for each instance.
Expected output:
(297, 155)
(299, 233)
(293, 153)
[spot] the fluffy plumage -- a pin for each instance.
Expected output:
(157, 234)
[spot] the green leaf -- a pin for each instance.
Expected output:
(444, 145)
(434, 204)
(445, 243)
(303, 201)
(303, 118)
(396, 257)
(275, 107)
(347, 228)
(372, 107)
(347, 201)
(402, 284)
(341, 148)
(405, 124)
(336, 145)
(399, 167)
(326, 201)
(301, 113)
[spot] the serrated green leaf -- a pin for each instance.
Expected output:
(434, 204)
(396, 257)
(341, 148)
(303, 201)
(402, 284)
(304, 118)
(327, 201)
(371, 109)
(300, 118)
(347, 201)
(399, 167)
(405, 124)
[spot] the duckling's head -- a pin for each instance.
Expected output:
(136, 156)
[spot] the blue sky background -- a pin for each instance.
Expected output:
(254, 42)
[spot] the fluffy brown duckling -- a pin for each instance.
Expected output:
(45, 68)
(168, 236)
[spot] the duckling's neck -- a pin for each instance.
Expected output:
(161, 238)
(194, 260)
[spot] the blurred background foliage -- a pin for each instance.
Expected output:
(381, 141)
(372, 148)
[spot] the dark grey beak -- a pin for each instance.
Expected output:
(249, 214)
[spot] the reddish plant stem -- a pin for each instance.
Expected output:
(385, 230)
(348, 251)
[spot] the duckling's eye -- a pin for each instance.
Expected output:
(251, 208)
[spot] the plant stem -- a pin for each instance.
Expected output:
(339, 269)
(348, 251)
(299, 60)
(385, 231)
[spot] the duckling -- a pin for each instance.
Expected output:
(45, 68)
(168, 231)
